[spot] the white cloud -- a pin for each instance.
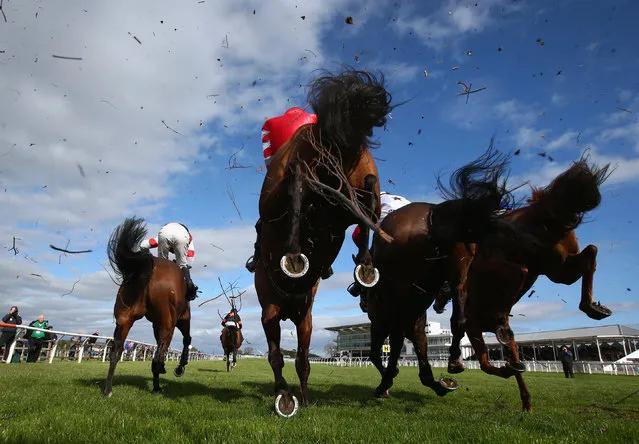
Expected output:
(559, 99)
(515, 112)
(452, 21)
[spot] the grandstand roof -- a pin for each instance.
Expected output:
(363, 327)
(602, 332)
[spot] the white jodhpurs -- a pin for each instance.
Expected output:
(174, 238)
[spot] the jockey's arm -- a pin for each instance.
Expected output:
(149, 243)
(190, 254)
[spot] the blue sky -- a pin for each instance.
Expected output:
(560, 77)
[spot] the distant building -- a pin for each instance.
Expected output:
(355, 341)
(602, 343)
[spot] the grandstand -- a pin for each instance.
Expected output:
(605, 343)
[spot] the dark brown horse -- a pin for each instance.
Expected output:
(415, 265)
(151, 287)
(501, 273)
(321, 181)
(231, 342)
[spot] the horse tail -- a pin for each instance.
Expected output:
(481, 183)
(479, 191)
(574, 192)
(131, 263)
(348, 105)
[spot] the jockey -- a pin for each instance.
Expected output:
(389, 203)
(232, 319)
(276, 131)
(174, 237)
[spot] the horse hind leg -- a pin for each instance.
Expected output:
(119, 336)
(396, 342)
(163, 338)
(455, 365)
(185, 328)
(420, 342)
(582, 265)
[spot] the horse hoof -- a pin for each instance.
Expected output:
(455, 367)
(366, 275)
(595, 311)
(286, 405)
(517, 367)
(294, 265)
(445, 385)
(504, 335)
(179, 371)
(381, 393)
(108, 394)
(157, 390)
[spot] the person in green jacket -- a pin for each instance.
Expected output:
(36, 338)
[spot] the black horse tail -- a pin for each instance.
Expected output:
(481, 183)
(348, 105)
(478, 196)
(131, 263)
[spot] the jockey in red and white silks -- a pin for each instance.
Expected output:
(389, 203)
(175, 238)
(276, 131)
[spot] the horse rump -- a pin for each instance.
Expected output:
(128, 260)
(348, 105)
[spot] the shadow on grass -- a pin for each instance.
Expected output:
(210, 370)
(339, 394)
(171, 389)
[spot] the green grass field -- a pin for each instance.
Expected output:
(62, 402)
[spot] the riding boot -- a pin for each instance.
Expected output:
(355, 289)
(191, 288)
(327, 273)
(251, 264)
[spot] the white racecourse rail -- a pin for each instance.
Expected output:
(172, 354)
(590, 367)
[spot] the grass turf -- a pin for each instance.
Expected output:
(62, 402)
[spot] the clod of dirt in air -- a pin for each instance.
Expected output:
(419, 131)
(410, 143)
(254, 12)
(303, 17)
(469, 52)
(425, 73)
(559, 72)
(454, 68)
(201, 123)
(541, 42)
(356, 57)
(541, 154)
(517, 152)
(391, 181)
(81, 170)
(500, 49)
(349, 20)
(628, 289)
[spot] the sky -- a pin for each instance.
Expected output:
(115, 109)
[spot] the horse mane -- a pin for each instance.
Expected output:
(348, 105)
(573, 193)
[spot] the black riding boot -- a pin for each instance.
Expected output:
(327, 273)
(191, 288)
(251, 264)
(355, 289)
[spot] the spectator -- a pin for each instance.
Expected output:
(9, 333)
(75, 341)
(36, 338)
(91, 342)
(566, 362)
